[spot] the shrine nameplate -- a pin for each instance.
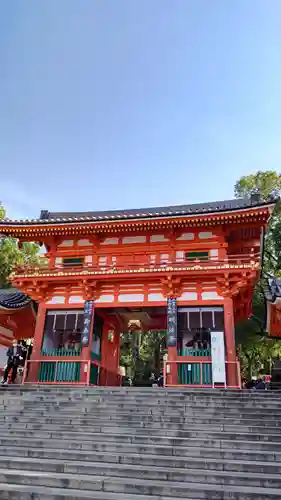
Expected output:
(87, 323)
(172, 323)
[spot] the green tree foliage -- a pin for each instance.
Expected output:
(266, 184)
(11, 253)
(152, 345)
(256, 351)
(2, 212)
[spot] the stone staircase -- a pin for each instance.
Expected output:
(139, 444)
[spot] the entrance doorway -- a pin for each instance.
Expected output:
(142, 342)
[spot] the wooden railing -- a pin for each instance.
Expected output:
(189, 351)
(250, 261)
(61, 352)
(58, 371)
(198, 373)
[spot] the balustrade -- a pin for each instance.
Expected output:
(251, 260)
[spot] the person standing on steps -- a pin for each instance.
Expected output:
(15, 356)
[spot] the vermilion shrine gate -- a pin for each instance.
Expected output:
(191, 267)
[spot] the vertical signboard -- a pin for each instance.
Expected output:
(218, 357)
(172, 323)
(87, 323)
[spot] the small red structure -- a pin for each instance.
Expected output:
(273, 295)
(17, 316)
(188, 269)
(17, 320)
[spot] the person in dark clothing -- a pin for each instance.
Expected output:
(260, 385)
(15, 356)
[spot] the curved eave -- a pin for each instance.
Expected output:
(9, 310)
(29, 229)
(14, 301)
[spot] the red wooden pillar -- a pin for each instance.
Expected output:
(110, 353)
(39, 331)
(172, 377)
(85, 366)
(33, 366)
(230, 346)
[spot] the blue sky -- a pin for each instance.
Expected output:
(134, 103)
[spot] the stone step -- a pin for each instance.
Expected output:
(154, 404)
(255, 397)
(22, 492)
(66, 389)
(135, 486)
(28, 492)
(63, 464)
(125, 435)
(161, 394)
(175, 422)
(159, 473)
(165, 429)
(150, 395)
(137, 393)
(166, 426)
(135, 444)
(142, 402)
(150, 453)
(184, 424)
(184, 412)
(141, 444)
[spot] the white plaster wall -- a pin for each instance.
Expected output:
(110, 241)
(66, 243)
(83, 243)
(131, 297)
(156, 297)
(164, 257)
(134, 239)
(76, 299)
(211, 296)
(188, 296)
(186, 236)
(128, 286)
(205, 235)
(158, 237)
(179, 256)
(57, 299)
(214, 253)
(105, 298)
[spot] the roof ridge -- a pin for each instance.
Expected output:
(147, 213)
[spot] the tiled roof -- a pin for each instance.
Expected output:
(12, 299)
(198, 208)
(145, 213)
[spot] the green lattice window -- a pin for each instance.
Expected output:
(197, 255)
(73, 261)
